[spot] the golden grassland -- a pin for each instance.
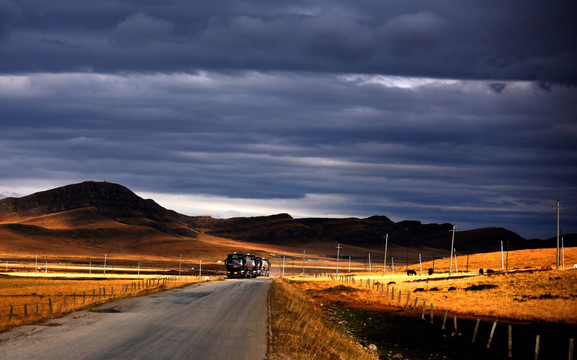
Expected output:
(27, 300)
(299, 331)
(526, 294)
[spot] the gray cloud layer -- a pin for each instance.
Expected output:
(420, 149)
(506, 39)
(445, 111)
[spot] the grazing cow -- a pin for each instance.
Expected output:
(490, 271)
(411, 272)
(480, 271)
(431, 271)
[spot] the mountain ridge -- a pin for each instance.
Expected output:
(92, 207)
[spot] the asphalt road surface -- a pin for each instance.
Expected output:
(214, 320)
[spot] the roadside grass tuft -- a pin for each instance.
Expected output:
(300, 329)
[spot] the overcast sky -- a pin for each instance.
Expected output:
(460, 112)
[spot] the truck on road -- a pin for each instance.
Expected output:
(236, 265)
(246, 266)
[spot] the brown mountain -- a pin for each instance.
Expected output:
(90, 217)
(369, 233)
(96, 216)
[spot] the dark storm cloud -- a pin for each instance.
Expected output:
(351, 145)
(529, 39)
(9, 13)
(414, 110)
(140, 29)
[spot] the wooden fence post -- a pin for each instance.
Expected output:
(408, 296)
(432, 310)
(491, 335)
(510, 341)
(570, 357)
(415, 304)
(445, 319)
(64, 304)
(10, 314)
(424, 306)
(476, 330)
(50, 305)
(399, 300)
(455, 323)
(25, 310)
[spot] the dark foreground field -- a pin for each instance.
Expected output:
(402, 335)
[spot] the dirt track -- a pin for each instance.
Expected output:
(213, 320)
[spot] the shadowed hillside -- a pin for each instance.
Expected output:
(370, 232)
(92, 216)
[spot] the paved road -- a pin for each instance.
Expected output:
(215, 320)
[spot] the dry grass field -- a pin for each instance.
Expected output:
(26, 300)
(525, 294)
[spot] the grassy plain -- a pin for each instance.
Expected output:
(26, 300)
(525, 294)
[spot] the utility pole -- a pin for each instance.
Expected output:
(338, 254)
(304, 255)
(105, 255)
(452, 247)
(370, 269)
(420, 265)
(385, 262)
(349, 264)
(502, 258)
(557, 255)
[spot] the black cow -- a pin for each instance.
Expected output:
(411, 272)
(480, 271)
(490, 271)
(431, 271)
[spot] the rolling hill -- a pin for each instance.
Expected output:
(95, 217)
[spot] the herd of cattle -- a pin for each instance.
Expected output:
(246, 266)
(481, 271)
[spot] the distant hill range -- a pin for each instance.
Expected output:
(103, 214)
